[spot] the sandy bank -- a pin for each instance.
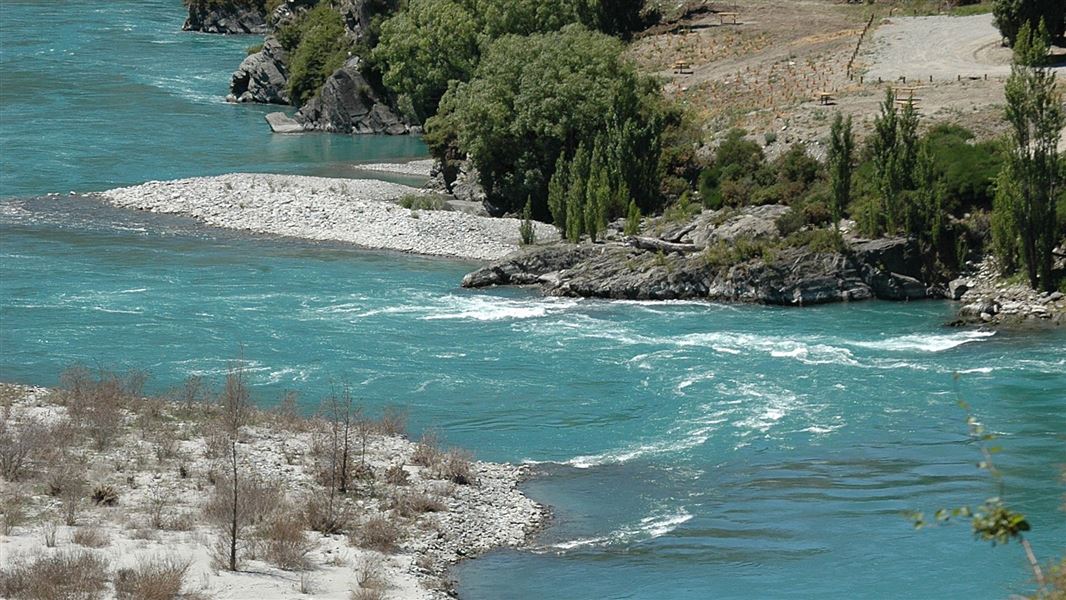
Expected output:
(356, 211)
(161, 467)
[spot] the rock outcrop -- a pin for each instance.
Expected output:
(262, 76)
(887, 268)
(990, 301)
(229, 16)
(347, 103)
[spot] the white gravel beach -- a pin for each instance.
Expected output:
(356, 211)
(419, 168)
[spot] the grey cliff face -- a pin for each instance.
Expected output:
(226, 18)
(348, 104)
(262, 77)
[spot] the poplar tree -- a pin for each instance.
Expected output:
(1031, 179)
(841, 164)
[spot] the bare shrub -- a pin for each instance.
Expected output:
(49, 533)
(307, 585)
(153, 579)
(396, 475)
(156, 506)
(327, 514)
(18, 446)
(71, 496)
(369, 573)
(91, 537)
(104, 495)
(427, 451)
(286, 544)
(193, 393)
(230, 507)
(367, 594)
(393, 422)
(77, 575)
(97, 403)
(413, 504)
(377, 533)
(455, 466)
(233, 511)
(13, 506)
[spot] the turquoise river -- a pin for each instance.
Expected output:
(689, 451)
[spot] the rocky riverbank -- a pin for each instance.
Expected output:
(989, 300)
(227, 17)
(140, 501)
(728, 255)
(358, 211)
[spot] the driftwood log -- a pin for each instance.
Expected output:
(657, 245)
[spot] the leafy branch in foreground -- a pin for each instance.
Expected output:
(993, 521)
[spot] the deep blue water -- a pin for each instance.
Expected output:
(689, 450)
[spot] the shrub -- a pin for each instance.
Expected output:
(790, 222)
(18, 447)
(13, 507)
(393, 420)
(455, 466)
(320, 50)
(80, 575)
(826, 241)
(722, 254)
(632, 226)
(155, 579)
(104, 495)
(396, 475)
(91, 537)
(377, 533)
(286, 543)
(412, 504)
(526, 231)
(426, 451)
(327, 515)
(424, 202)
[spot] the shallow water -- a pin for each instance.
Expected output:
(689, 450)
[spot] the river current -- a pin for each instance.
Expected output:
(688, 450)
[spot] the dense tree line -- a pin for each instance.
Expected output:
(1011, 15)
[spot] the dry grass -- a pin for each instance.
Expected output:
(396, 475)
(326, 514)
(427, 452)
(377, 533)
(13, 507)
(18, 446)
(78, 575)
(153, 579)
(455, 466)
(393, 422)
(91, 537)
(413, 504)
(367, 594)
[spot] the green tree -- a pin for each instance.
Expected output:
(523, 17)
(597, 198)
(526, 231)
(1032, 179)
(424, 48)
(319, 47)
(576, 194)
(841, 163)
(557, 194)
(613, 17)
(632, 219)
(895, 151)
(1011, 15)
(533, 99)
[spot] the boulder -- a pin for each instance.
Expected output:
(749, 222)
(957, 288)
(229, 16)
(262, 76)
(282, 123)
(348, 104)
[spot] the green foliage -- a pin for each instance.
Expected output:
(424, 202)
(1012, 15)
(682, 211)
(319, 48)
(523, 17)
(535, 99)
(1030, 183)
(731, 178)
(253, 49)
(614, 17)
(632, 226)
(722, 255)
(840, 163)
(424, 48)
(526, 231)
(966, 170)
(825, 241)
